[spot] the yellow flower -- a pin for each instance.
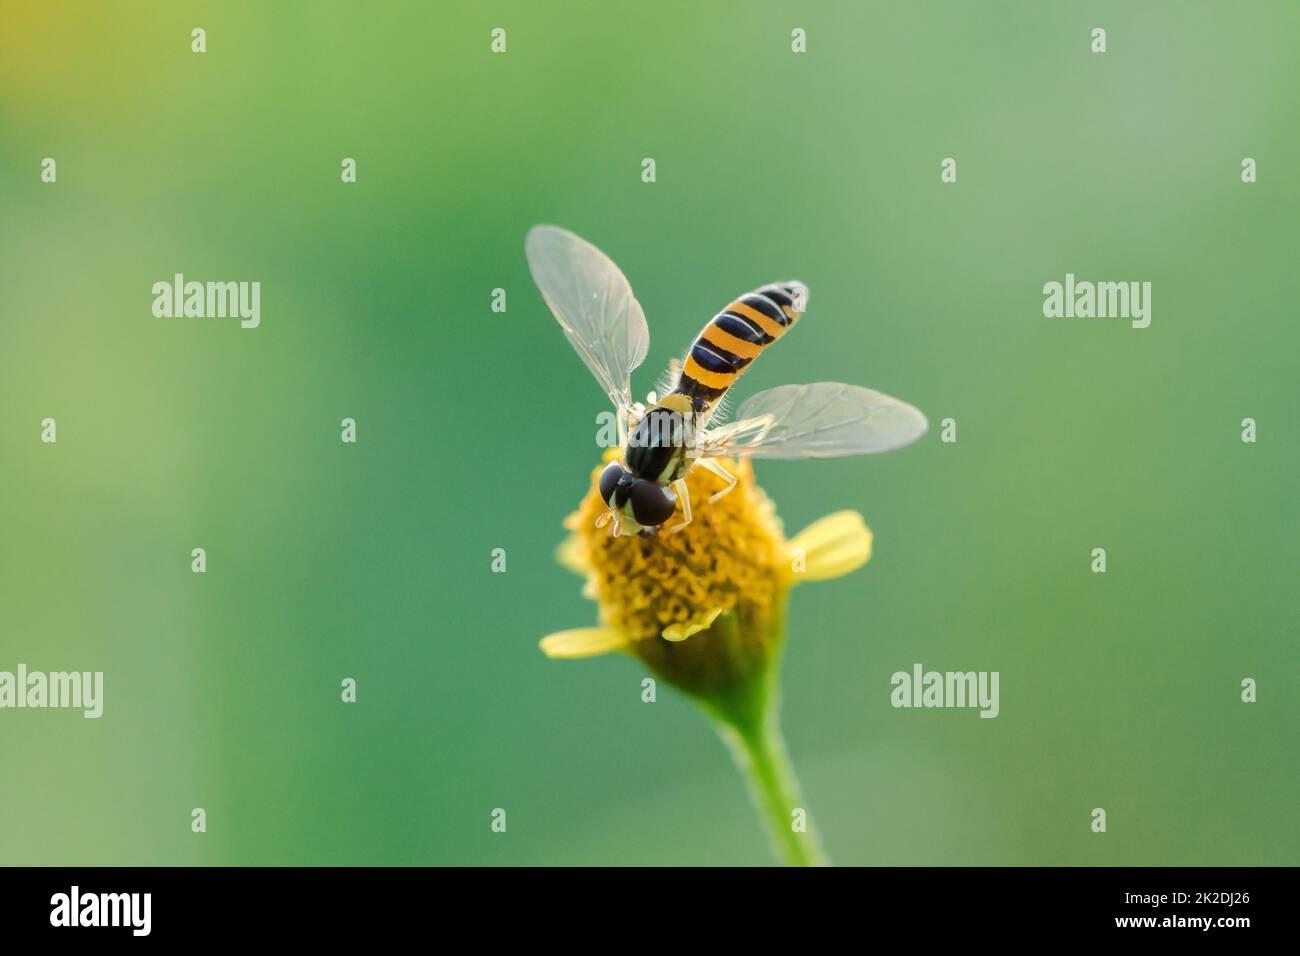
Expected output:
(704, 606)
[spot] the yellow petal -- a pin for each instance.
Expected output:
(582, 642)
(830, 547)
(684, 629)
(570, 555)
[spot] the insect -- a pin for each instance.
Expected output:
(664, 438)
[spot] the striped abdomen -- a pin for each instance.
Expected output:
(735, 337)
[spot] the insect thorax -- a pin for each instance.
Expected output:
(660, 448)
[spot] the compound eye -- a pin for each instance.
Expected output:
(609, 481)
(651, 505)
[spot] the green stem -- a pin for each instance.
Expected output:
(749, 722)
(774, 788)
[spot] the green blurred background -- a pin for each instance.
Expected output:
(475, 429)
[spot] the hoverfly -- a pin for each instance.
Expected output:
(666, 437)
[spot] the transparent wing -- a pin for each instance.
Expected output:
(594, 305)
(823, 420)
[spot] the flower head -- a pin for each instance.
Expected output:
(703, 606)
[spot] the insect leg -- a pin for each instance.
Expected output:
(722, 473)
(684, 494)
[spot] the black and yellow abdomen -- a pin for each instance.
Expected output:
(735, 337)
